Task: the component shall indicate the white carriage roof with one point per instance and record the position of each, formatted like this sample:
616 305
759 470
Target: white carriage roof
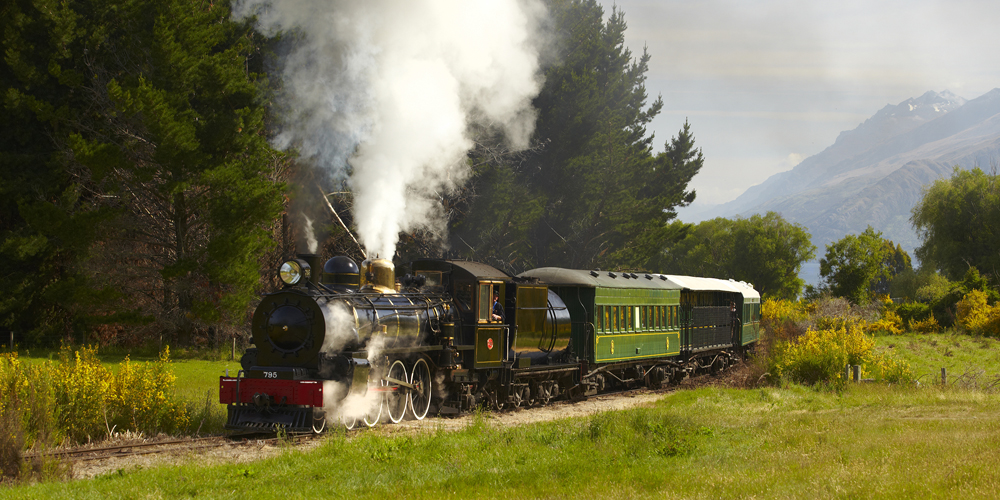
714 285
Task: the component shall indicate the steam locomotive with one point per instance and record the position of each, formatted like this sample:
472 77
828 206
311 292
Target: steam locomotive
350 345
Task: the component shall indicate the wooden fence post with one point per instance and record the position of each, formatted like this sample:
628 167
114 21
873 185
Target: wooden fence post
944 376
857 373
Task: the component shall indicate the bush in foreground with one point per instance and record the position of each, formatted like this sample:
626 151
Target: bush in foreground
829 343
77 400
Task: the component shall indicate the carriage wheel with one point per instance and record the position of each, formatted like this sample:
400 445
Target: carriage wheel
420 396
395 399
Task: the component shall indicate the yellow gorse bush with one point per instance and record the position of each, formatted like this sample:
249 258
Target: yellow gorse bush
975 315
139 396
823 353
78 398
81 397
927 325
890 323
780 317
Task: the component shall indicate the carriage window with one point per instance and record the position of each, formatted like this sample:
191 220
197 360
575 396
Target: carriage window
614 318
599 319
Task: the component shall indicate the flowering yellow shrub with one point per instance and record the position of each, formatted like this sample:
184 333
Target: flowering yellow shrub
81 394
890 323
139 397
821 355
80 399
13 381
975 315
927 325
780 317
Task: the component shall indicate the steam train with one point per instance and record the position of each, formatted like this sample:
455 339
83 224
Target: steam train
353 345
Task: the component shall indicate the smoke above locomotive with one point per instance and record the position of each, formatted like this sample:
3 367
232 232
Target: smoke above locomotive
384 94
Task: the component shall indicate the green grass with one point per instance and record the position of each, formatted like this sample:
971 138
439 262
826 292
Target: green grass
966 358
866 441
869 441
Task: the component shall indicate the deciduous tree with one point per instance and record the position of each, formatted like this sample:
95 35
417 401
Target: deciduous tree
958 221
765 250
854 264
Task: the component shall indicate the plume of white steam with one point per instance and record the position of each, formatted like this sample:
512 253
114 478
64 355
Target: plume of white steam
341 405
341 327
391 88
341 330
310 236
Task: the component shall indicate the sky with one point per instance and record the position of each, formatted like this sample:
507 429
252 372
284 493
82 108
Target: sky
768 83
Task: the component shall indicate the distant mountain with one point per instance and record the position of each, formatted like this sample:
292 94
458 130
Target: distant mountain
874 174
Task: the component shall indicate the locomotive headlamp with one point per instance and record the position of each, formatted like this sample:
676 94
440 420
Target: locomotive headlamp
292 271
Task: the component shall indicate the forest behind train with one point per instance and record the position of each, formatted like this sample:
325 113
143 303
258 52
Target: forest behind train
143 202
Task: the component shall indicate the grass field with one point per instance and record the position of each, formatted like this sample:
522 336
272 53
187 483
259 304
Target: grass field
866 441
869 441
966 358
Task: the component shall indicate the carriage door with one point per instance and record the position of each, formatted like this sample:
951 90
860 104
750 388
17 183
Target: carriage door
491 340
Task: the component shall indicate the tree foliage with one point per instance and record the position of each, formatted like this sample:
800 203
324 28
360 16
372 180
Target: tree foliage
146 124
897 261
858 266
958 220
765 250
593 194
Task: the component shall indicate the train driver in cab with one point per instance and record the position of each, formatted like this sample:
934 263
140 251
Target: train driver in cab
497 307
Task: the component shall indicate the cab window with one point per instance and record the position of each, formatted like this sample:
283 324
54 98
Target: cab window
485 301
